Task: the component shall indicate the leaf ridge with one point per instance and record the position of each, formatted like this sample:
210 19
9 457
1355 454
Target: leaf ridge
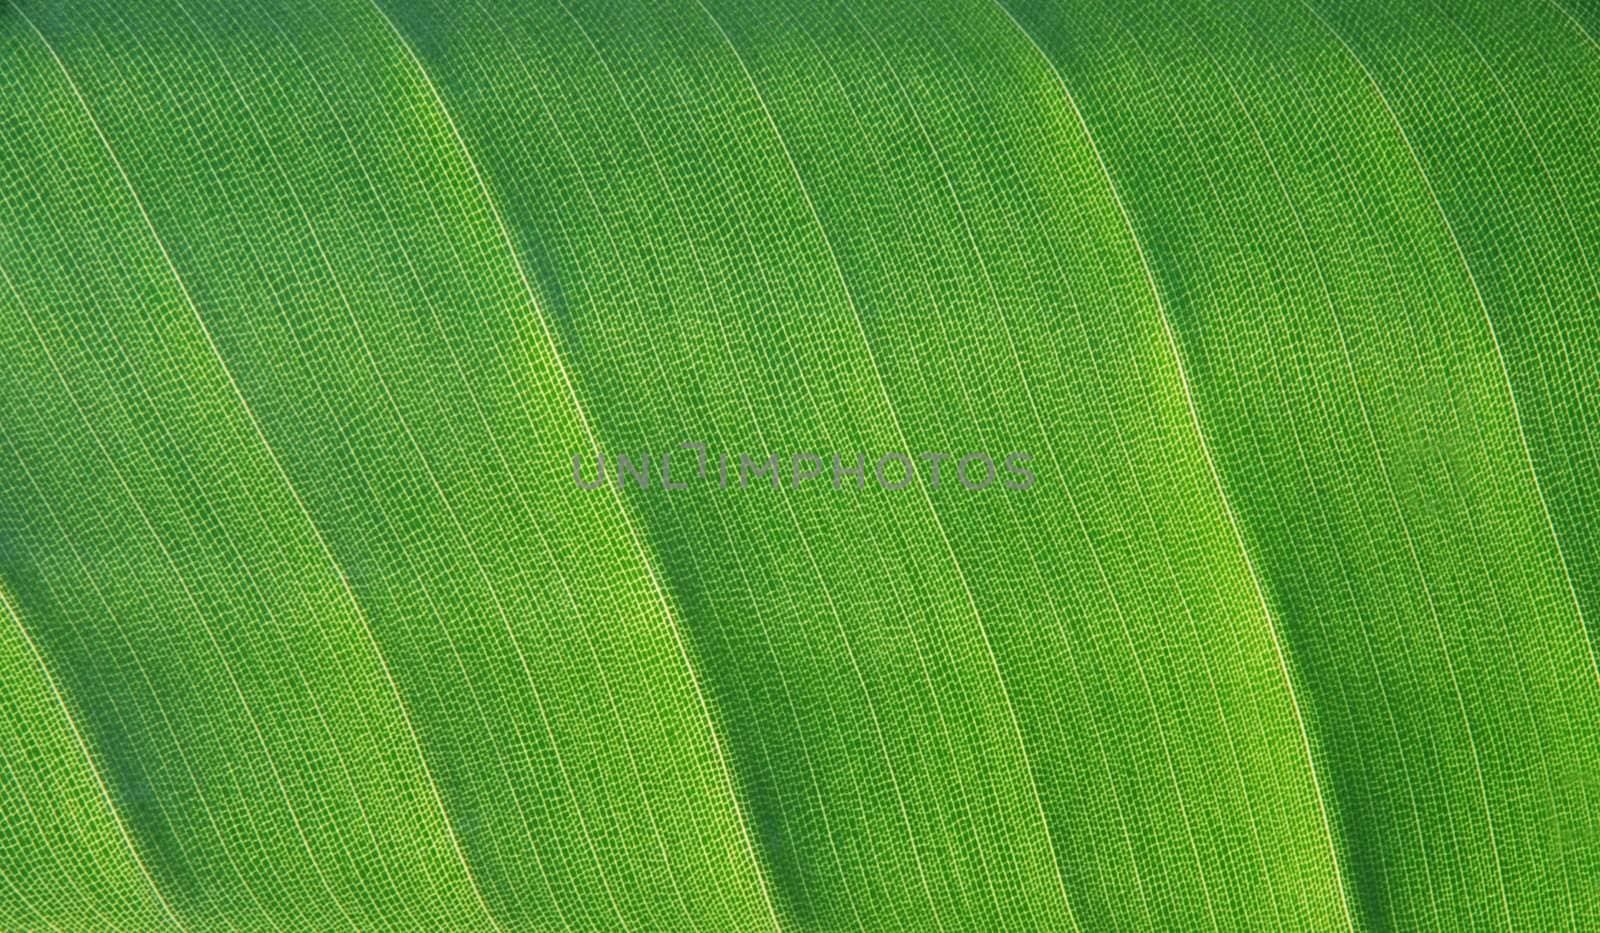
944 536
316 531
588 430
11 610
216 646
1205 447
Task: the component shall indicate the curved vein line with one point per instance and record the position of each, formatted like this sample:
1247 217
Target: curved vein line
150 527
166 720
1411 549
1077 672
1505 371
1245 112
88 757
889 405
856 117
583 420
505 463
1105 581
855 667
1205 449
700 267
1576 24
483 573
200 617
339 571
288 484
433 607
1211 187
1550 300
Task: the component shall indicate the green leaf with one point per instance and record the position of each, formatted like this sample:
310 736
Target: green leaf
306 310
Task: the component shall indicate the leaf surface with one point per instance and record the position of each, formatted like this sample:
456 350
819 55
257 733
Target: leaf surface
306 310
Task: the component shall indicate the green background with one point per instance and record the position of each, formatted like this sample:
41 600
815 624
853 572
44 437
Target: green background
305 308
